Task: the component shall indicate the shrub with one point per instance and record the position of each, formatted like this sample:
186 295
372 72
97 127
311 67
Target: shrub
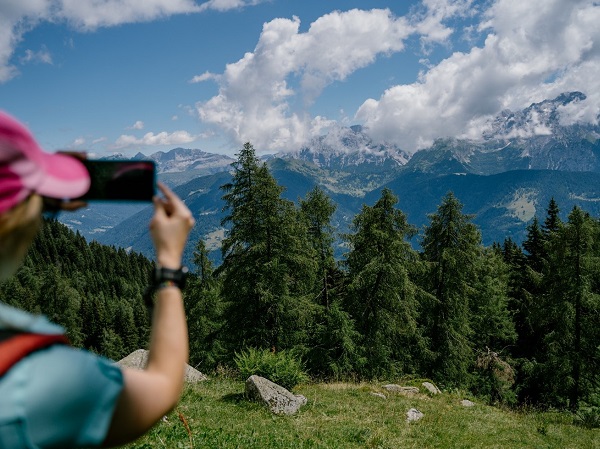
495 379
281 367
588 417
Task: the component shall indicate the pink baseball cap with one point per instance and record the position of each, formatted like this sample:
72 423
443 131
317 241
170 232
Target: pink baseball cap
25 168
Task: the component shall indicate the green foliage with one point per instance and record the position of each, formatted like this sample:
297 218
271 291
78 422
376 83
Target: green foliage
281 367
588 417
512 323
205 313
316 211
268 266
94 291
381 298
349 416
495 379
571 309
334 352
451 247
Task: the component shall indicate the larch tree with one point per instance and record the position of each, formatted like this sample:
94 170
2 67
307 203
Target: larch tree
333 350
572 308
451 246
204 310
381 298
268 266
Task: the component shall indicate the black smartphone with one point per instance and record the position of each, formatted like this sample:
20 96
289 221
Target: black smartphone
120 180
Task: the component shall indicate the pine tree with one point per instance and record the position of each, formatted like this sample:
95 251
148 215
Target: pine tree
452 246
552 222
316 210
268 266
382 299
204 310
492 322
534 246
527 294
572 309
332 338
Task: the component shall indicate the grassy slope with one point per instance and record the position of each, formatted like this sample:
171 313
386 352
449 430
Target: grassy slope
349 416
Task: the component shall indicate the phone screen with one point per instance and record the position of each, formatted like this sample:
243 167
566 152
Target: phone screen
121 180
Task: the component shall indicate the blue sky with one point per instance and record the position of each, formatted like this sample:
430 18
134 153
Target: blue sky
127 75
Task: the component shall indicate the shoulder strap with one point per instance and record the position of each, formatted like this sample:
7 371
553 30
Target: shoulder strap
15 347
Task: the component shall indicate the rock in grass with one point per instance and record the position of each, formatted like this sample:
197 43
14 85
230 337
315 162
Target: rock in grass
379 395
467 403
431 388
279 400
414 415
406 391
139 359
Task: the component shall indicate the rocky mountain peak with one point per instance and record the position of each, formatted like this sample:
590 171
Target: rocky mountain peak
537 119
183 159
344 148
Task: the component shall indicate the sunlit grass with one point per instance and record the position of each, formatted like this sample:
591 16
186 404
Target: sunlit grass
350 416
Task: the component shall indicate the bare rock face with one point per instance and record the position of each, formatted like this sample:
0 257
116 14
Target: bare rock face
279 400
139 359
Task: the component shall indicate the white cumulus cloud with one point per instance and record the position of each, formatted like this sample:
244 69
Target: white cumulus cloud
225 5
151 139
254 94
532 51
19 16
137 125
204 77
512 53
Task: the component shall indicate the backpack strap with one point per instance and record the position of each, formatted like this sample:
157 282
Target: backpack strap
17 346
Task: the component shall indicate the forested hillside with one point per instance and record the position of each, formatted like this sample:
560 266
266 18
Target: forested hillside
94 291
514 324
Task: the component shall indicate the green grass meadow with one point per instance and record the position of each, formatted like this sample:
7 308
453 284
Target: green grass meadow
215 414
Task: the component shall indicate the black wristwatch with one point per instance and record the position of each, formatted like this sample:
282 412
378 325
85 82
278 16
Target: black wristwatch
167 276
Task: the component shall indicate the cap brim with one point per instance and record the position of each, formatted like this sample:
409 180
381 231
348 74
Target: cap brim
66 177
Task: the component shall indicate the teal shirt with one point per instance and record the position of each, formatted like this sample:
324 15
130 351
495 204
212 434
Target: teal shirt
58 397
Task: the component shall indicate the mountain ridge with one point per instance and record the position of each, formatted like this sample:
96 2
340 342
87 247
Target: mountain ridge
503 181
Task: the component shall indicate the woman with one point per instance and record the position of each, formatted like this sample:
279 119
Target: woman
56 395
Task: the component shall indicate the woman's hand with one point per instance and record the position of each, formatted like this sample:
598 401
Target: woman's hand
170 227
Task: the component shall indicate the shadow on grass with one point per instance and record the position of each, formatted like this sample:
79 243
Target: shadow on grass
235 398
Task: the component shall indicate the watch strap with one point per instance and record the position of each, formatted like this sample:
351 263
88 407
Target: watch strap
162 275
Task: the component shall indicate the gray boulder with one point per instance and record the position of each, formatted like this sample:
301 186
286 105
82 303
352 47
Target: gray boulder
139 359
279 400
414 415
405 391
467 403
431 388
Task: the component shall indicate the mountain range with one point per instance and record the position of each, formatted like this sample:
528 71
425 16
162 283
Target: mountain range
504 179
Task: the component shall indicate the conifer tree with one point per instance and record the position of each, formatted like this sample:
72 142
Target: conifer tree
552 222
527 304
382 299
534 246
572 308
333 350
316 210
491 321
268 266
452 246
204 310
